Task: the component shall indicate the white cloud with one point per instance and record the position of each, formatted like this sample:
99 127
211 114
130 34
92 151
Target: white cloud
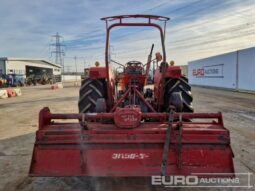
26 28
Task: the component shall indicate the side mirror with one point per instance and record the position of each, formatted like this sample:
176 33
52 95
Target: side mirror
158 56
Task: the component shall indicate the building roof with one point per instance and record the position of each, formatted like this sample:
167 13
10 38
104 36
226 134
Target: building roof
30 60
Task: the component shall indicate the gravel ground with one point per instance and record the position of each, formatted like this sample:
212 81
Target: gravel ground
18 123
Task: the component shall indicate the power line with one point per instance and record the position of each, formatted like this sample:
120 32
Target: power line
80 47
213 6
184 7
231 29
224 16
76 64
243 34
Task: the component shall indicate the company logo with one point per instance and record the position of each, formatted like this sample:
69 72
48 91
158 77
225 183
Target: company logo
199 72
168 181
129 118
240 180
214 71
131 156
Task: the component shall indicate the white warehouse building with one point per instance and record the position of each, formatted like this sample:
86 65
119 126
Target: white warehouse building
234 70
26 67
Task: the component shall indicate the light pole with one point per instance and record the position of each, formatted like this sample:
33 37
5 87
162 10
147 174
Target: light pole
75 58
84 65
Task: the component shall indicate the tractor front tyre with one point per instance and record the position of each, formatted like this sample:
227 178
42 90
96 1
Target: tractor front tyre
180 85
90 91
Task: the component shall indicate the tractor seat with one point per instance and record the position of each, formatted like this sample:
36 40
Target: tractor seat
134 67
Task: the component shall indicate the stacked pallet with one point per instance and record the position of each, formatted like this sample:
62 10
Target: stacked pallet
10 92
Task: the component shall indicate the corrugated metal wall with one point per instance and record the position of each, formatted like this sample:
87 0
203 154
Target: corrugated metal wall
235 70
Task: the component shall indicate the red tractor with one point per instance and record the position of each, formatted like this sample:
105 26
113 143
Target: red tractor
125 129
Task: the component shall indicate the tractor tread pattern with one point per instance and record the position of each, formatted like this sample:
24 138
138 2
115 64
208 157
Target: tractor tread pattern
90 91
180 85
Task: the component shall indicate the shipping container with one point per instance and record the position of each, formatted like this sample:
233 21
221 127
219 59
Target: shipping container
217 71
246 69
234 70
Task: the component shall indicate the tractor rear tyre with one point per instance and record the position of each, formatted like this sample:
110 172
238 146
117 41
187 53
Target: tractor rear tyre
90 91
180 85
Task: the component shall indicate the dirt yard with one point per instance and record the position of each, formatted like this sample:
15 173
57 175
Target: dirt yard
18 123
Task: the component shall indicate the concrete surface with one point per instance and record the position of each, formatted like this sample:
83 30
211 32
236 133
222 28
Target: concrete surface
18 123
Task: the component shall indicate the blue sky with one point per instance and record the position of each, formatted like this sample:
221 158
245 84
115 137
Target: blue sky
197 29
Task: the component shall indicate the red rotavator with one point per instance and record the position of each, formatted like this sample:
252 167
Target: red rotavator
126 129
